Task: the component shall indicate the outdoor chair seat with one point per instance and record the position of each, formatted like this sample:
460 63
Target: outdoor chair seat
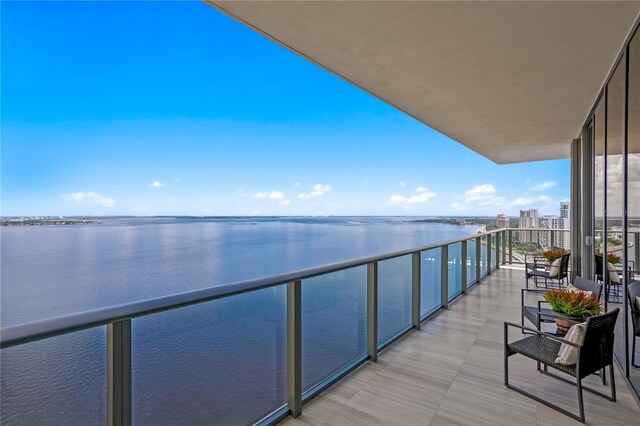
535 313
534 270
540 349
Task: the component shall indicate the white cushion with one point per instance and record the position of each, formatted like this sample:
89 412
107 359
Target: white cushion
573 288
613 274
638 303
555 268
568 355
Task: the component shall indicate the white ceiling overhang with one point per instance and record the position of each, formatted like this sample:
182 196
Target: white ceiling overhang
513 81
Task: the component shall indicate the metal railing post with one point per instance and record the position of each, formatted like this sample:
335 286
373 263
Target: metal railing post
119 373
372 310
498 241
415 290
294 347
444 276
464 258
504 247
510 247
636 250
489 254
478 259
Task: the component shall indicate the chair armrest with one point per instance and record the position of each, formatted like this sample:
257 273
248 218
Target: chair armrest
523 291
544 334
540 302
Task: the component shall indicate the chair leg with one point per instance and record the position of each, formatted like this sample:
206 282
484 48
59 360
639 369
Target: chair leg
579 418
580 400
633 352
613 383
603 376
506 355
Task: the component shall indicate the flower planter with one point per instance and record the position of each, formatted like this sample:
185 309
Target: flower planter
565 322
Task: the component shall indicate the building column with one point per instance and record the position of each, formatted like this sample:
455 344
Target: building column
575 209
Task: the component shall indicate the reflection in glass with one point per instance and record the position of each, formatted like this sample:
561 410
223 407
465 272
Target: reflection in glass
334 323
614 180
430 289
633 185
394 297
483 255
454 270
599 174
38 389
225 357
471 261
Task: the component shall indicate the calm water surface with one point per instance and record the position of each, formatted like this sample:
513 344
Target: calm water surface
221 360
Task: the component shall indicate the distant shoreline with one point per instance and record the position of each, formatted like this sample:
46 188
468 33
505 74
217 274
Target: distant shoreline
97 220
46 221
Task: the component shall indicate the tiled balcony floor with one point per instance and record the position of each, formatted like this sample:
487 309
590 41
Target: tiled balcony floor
450 373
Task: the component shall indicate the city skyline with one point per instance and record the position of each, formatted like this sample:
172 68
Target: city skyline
210 118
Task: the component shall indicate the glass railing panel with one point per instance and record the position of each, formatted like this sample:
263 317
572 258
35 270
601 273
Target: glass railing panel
471 261
334 323
56 381
633 253
483 255
454 270
494 252
394 297
430 288
225 358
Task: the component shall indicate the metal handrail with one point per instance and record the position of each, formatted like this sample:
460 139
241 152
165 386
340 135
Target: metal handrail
43 329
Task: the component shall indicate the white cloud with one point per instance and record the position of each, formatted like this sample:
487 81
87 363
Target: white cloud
527 201
422 196
285 202
480 198
543 186
272 195
156 184
402 184
89 198
397 199
318 190
481 189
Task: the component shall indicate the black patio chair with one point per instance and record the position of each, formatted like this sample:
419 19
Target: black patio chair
633 291
594 354
532 270
538 314
610 285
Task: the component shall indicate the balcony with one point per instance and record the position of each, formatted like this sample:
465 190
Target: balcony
450 372
420 341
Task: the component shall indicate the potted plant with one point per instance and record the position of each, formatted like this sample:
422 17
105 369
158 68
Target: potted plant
571 307
613 258
552 255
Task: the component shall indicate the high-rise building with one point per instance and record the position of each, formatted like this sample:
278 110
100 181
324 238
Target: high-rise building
502 221
549 222
564 238
529 219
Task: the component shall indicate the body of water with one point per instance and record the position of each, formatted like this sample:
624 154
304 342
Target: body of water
222 360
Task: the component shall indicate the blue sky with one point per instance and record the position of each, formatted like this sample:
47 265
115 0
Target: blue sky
172 108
